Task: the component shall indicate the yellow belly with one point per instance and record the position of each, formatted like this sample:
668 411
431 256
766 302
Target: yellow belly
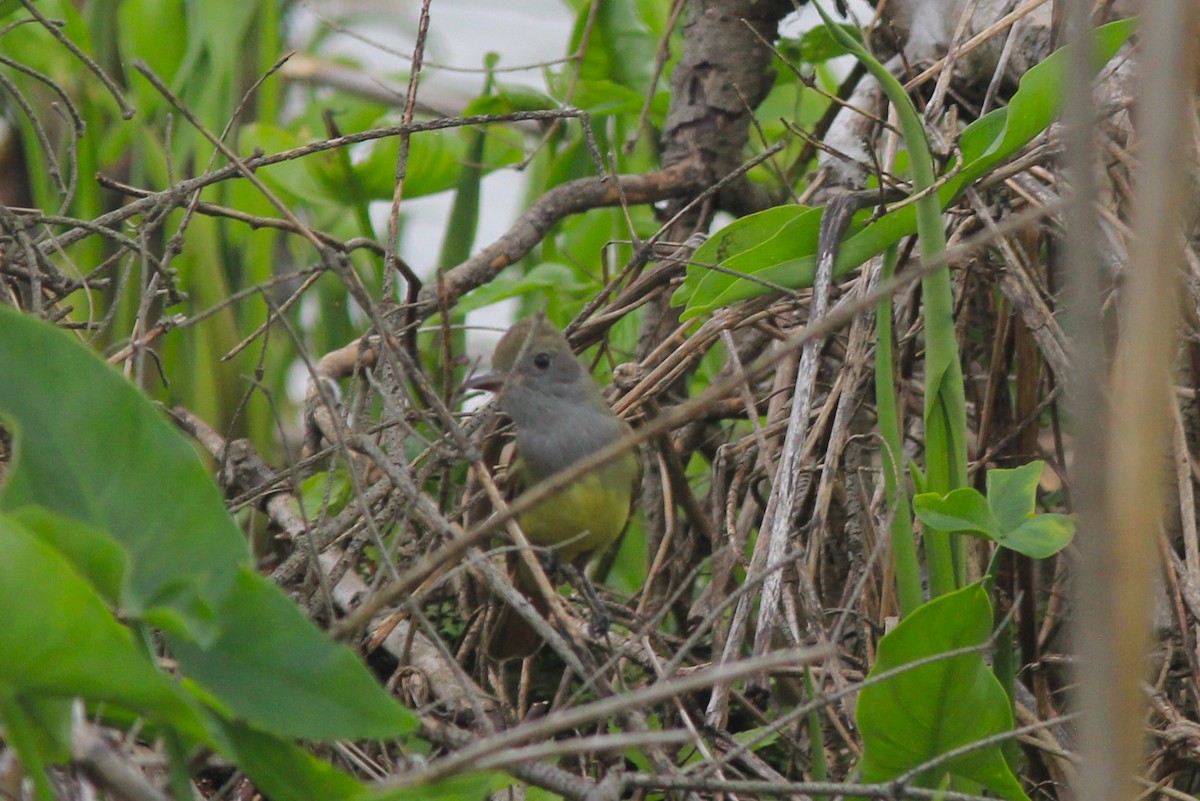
585 517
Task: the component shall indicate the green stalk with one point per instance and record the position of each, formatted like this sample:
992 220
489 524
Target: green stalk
904 548
19 732
1004 657
464 213
816 736
945 404
456 244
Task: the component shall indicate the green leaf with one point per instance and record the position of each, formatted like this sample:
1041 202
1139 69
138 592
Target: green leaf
298 179
325 493
93 554
33 744
271 667
155 32
963 509
548 276
60 641
282 770
817 45
619 47
457 788
1041 536
1012 494
88 446
771 236
47 722
91 448
989 141
945 406
920 483
922 713
599 96
435 161
1005 516
509 98
222 26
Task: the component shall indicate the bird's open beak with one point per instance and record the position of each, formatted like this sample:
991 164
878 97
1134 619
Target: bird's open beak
490 381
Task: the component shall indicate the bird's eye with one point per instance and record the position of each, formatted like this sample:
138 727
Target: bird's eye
541 361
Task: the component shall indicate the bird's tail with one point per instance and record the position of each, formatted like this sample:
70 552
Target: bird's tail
512 637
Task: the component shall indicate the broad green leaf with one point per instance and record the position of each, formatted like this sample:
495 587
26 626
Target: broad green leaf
458 788
91 448
598 96
272 668
919 714
59 640
817 45
619 47
627 42
94 555
349 113
282 770
435 161
741 239
222 27
1012 494
155 32
509 98
1006 516
325 493
985 143
548 276
290 180
963 509
1041 536
88 446
51 724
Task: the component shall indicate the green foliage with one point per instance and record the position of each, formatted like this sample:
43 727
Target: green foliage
112 509
559 284
60 640
456 788
225 41
282 769
1006 516
945 405
905 561
89 527
109 473
987 142
326 493
921 713
818 45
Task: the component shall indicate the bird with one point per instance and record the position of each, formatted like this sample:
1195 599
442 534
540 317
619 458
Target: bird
560 417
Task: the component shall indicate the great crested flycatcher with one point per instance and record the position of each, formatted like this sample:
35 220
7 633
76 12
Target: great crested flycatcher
560 418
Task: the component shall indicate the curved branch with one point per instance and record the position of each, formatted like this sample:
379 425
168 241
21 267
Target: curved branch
562 201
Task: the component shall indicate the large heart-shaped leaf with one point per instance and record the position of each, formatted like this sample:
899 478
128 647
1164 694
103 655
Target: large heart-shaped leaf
922 713
90 450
